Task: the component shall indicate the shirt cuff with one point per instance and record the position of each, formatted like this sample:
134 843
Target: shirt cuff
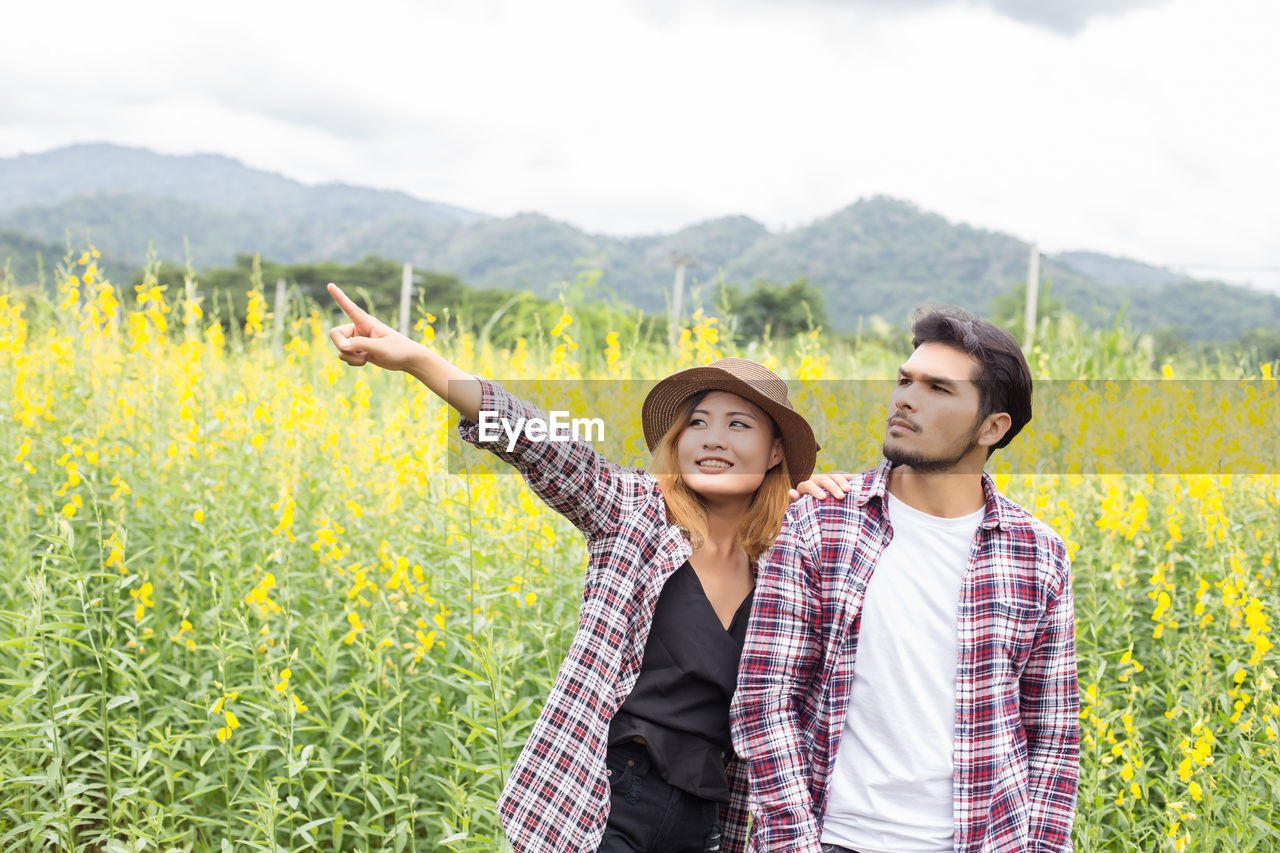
493 397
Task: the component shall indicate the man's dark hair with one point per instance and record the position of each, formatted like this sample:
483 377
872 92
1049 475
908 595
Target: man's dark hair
1003 380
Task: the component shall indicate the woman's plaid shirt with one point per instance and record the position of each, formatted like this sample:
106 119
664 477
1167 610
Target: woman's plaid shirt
1016 750
557 799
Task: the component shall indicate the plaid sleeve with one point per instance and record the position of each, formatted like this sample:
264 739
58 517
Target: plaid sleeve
779 662
571 477
734 815
1050 706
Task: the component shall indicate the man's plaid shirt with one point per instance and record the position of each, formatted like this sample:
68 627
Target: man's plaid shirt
557 798
1017 728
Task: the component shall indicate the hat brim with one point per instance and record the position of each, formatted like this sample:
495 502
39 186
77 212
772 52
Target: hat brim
666 400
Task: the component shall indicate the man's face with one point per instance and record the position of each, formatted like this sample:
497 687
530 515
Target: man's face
933 422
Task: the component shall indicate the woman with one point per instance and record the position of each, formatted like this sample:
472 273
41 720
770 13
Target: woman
632 750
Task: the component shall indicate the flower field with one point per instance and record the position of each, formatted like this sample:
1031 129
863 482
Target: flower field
244 604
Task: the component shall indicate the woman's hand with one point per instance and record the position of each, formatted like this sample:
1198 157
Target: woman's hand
837 483
367 340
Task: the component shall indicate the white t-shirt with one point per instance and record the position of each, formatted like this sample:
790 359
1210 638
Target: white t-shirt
891 786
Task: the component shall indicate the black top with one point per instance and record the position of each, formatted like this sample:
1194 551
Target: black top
680 703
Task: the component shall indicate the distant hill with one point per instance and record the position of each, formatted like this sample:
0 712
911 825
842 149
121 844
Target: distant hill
882 256
876 257
530 251
1120 272
28 257
130 197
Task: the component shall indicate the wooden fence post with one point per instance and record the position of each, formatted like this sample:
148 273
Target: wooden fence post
677 298
282 303
406 294
1033 294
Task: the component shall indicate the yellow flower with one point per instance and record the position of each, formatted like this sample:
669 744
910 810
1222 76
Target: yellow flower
260 596
428 333
122 488
255 314
224 698
184 629
225 731
70 507
354 619
143 595
285 507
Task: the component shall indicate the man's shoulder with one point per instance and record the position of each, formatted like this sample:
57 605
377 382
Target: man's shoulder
868 478
862 486
1026 527
810 520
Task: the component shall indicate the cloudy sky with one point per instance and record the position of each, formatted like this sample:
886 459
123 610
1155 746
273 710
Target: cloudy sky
1146 128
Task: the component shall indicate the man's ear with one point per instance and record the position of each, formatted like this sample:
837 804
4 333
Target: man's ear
994 427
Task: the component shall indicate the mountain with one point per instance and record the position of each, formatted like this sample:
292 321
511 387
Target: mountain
209 179
882 256
877 257
128 198
530 251
1120 272
28 260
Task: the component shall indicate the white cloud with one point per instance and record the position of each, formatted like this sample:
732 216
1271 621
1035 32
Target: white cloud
1149 134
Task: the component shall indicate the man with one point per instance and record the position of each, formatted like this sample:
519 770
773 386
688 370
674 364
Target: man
908 683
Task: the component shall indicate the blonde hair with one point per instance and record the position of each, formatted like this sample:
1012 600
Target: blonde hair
687 509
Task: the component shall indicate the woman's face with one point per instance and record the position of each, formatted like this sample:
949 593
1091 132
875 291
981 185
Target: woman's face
727 447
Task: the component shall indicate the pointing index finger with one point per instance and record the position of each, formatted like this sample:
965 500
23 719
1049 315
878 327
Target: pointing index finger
353 310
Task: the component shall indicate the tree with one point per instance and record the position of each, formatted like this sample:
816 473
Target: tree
773 309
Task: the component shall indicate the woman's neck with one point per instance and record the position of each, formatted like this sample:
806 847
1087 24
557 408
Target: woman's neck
722 530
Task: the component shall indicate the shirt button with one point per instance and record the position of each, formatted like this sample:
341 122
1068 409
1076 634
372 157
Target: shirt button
631 762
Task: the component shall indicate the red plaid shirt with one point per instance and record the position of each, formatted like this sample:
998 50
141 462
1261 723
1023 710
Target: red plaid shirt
557 799
1017 728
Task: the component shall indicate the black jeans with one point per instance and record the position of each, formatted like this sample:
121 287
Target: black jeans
646 815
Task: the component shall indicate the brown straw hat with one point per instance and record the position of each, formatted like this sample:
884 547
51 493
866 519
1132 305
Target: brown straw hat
748 380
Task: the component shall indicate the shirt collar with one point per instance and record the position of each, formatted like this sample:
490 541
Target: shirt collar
876 484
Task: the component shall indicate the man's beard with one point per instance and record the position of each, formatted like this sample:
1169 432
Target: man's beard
931 465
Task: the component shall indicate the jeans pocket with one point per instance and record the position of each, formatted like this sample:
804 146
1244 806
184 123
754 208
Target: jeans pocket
627 766
622 764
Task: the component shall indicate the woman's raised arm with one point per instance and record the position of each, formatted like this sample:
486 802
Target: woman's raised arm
571 477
